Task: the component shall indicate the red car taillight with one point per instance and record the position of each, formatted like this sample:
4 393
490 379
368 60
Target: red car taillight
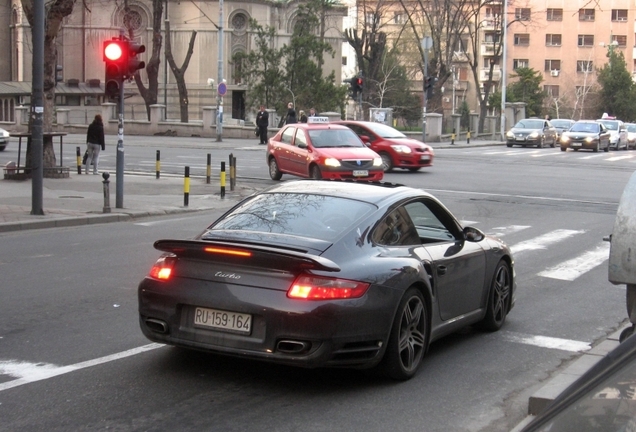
323 288
162 269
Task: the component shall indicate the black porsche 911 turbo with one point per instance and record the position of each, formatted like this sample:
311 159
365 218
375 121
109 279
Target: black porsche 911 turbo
320 273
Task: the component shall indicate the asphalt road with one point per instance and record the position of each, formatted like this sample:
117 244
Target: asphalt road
72 356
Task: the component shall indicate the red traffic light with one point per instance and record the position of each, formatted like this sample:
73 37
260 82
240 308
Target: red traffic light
114 50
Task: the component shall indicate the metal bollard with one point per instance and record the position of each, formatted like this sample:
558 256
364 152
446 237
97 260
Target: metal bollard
208 169
233 173
106 183
468 137
158 164
186 187
453 137
222 179
79 160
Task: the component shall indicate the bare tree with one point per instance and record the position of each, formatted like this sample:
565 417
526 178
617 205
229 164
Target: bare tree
55 13
179 72
150 93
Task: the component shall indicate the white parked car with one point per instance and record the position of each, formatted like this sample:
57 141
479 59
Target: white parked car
618 133
4 139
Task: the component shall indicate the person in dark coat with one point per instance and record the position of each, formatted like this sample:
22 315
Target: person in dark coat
291 114
94 143
262 121
303 117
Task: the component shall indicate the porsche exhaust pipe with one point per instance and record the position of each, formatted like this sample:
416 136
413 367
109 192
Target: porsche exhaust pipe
292 346
157 326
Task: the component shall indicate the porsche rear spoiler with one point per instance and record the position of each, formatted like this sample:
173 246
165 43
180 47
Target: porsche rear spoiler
201 249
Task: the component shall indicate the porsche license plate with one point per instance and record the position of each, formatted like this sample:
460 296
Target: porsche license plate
223 320
360 173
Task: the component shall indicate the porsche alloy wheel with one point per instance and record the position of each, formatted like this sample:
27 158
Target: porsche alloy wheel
498 298
409 337
274 172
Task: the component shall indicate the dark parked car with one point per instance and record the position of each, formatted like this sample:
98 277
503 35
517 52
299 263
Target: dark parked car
586 134
532 132
320 149
327 273
603 399
562 125
396 149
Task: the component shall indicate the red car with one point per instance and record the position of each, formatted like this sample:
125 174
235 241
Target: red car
395 148
320 149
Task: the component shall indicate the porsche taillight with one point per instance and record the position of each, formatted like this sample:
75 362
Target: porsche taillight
162 269
309 287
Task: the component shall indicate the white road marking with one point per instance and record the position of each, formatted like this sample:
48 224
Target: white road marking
30 372
542 242
547 342
547 154
593 156
502 231
159 222
572 269
468 223
615 158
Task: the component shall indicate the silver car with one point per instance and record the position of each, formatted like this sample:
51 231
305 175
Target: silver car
618 133
532 132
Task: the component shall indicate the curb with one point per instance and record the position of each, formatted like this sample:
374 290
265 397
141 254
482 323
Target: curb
540 400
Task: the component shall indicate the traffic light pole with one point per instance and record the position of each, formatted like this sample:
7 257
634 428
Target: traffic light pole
119 169
424 99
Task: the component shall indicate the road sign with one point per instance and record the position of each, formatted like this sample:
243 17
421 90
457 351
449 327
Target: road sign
222 89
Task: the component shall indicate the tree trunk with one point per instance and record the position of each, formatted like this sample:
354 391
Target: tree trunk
150 94
179 72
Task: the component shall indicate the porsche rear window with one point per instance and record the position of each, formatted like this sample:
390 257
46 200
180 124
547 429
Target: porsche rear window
305 215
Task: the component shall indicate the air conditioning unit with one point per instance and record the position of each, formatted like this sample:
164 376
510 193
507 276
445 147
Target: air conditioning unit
554 73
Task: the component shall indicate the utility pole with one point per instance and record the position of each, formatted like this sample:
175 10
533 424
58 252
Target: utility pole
427 43
37 109
504 41
220 85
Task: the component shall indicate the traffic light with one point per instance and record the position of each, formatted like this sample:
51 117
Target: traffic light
116 59
134 64
359 83
429 86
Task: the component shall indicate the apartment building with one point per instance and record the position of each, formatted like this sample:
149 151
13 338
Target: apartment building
567 40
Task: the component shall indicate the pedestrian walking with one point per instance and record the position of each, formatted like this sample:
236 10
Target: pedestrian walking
312 112
291 114
302 116
262 121
94 143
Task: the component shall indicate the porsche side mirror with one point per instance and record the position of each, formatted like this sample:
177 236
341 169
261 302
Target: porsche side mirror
473 234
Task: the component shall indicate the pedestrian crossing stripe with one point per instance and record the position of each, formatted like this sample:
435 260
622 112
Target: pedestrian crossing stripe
572 269
545 240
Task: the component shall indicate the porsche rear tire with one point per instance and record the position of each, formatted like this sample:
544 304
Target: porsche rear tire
408 340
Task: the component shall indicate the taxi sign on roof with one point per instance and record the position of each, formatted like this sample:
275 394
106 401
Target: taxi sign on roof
318 120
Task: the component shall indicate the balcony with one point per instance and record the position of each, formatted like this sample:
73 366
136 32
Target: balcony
487 49
496 74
